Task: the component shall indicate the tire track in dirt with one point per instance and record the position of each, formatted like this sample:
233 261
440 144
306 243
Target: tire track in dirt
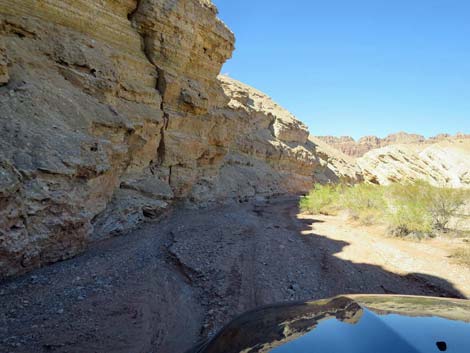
191 273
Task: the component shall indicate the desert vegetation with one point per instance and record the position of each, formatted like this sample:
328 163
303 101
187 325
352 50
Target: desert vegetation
408 210
462 255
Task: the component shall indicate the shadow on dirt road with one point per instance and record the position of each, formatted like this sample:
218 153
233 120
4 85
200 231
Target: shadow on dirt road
167 285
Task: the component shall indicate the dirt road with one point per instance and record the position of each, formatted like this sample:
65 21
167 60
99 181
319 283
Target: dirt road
169 284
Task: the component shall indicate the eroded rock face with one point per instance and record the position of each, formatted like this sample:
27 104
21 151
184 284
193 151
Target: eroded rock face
111 110
267 151
270 151
4 77
80 115
188 44
359 148
335 167
445 163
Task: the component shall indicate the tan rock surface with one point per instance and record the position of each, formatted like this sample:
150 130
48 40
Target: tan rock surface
268 151
271 151
111 110
335 166
446 163
80 111
358 148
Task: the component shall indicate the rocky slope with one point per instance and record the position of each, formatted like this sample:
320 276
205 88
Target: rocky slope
443 160
113 110
272 152
350 147
445 163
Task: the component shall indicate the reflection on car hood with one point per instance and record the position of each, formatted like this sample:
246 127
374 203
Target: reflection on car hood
357 323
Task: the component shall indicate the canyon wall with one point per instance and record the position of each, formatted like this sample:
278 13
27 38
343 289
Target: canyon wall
111 111
80 117
443 164
442 160
359 148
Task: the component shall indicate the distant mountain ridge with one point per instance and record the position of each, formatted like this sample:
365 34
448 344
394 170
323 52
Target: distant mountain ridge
445 163
359 148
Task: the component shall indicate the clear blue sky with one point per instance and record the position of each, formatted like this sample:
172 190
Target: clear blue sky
362 67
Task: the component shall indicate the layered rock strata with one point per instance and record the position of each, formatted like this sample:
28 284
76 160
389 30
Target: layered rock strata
353 148
112 110
442 164
80 116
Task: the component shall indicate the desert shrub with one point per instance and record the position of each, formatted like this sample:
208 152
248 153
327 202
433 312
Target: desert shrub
409 219
365 202
462 256
322 199
421 209
445 204
409 210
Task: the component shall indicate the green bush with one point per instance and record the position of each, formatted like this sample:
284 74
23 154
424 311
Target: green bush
408 209
322 199
422 209
365 202
413 209
445 203
409 219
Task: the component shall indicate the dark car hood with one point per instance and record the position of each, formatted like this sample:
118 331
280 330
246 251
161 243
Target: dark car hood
353 324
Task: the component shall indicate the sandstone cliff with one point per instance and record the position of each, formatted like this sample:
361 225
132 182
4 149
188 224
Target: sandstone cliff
271 151
112 110
444 163
350 147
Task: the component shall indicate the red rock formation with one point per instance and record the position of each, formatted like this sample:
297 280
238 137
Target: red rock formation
353 148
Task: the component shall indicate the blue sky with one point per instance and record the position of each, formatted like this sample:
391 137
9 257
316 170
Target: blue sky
362 67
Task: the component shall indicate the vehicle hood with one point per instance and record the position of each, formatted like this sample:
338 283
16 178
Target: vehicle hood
357 323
